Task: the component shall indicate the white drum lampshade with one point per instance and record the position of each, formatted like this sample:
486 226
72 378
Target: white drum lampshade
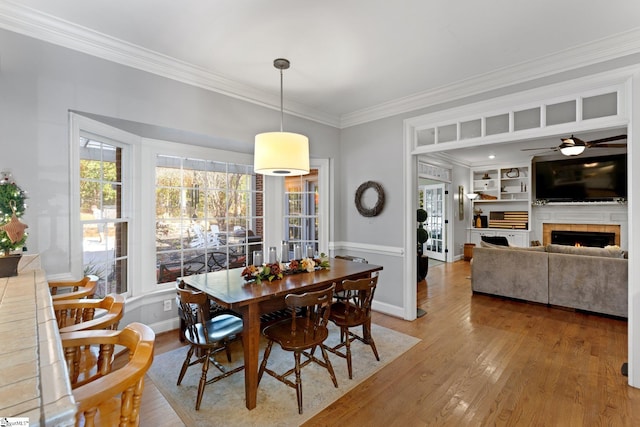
281 154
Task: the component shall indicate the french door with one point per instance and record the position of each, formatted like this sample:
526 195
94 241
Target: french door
432 198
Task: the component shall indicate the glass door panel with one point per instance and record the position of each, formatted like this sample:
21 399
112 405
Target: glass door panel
433 200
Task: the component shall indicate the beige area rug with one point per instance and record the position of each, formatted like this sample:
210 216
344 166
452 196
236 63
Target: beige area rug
223 403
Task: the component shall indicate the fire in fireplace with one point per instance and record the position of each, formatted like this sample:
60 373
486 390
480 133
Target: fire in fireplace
583 238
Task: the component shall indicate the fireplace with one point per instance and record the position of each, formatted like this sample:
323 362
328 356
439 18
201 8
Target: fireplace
578 230
583 238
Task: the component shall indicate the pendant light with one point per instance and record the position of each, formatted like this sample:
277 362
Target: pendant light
281 153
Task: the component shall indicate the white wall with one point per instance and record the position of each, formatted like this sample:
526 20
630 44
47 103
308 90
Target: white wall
40 83
373 152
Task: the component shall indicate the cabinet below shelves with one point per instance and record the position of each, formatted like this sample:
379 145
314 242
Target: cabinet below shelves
514 237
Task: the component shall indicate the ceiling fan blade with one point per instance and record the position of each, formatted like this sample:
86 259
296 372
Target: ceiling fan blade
609 146
609 139
540 148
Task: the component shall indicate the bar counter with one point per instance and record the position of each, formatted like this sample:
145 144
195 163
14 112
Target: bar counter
33 377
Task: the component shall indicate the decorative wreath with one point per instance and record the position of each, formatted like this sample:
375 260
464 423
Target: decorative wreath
513 173
375 210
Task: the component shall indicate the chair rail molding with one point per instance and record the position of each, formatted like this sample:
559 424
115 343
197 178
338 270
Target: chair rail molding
368 248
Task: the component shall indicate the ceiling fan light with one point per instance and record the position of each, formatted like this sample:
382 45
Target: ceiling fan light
572 146
572 150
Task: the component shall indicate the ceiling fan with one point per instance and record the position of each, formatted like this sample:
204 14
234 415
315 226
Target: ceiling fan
574 146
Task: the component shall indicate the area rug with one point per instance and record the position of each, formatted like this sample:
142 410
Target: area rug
223 403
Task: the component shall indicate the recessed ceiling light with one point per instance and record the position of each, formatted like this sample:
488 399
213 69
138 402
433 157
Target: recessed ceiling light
492 156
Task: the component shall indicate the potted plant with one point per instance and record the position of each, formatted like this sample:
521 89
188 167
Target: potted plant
422 237
12 234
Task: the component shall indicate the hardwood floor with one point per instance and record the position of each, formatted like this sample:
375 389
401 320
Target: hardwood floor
482 361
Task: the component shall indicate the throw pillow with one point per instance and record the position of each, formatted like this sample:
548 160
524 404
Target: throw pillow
585 250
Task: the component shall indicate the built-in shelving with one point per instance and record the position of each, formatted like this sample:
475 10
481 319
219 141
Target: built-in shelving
501 184
504 199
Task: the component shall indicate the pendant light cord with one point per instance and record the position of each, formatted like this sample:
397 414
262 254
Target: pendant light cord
281 102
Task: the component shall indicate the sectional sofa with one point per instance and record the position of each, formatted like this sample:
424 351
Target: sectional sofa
582 278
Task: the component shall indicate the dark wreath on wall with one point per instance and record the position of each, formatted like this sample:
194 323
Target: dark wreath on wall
377 208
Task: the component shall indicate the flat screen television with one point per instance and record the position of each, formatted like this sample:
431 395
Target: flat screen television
602 178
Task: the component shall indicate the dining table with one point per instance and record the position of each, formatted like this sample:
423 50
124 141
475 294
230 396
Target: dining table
251 300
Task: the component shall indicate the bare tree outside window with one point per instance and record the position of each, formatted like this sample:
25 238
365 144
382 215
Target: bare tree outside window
208 216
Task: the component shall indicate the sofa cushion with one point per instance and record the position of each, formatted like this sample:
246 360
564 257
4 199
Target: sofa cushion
597 284
511 273
585 251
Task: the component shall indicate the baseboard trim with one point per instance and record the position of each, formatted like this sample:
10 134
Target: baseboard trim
165 325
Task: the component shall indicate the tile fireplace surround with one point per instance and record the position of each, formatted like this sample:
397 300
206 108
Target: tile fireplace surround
547 228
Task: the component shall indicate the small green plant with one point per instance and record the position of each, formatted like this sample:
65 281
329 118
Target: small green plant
423 234
12 202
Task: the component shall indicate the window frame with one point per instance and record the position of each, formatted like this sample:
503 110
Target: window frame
138 169
83 126
182 255
150 149
306 214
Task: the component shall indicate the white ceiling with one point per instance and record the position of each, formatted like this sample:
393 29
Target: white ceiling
347 56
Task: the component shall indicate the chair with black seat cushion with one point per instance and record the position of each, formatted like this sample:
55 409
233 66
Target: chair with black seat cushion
214 310
353 309
208 336
305 330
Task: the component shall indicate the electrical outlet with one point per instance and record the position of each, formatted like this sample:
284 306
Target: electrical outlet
167 305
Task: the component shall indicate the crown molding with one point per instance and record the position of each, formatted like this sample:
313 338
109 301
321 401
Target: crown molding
30 22
605 49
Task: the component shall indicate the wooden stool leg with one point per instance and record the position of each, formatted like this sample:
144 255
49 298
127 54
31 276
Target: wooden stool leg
329 366
263 365
298 382
347 344
185 365
203 380
369 339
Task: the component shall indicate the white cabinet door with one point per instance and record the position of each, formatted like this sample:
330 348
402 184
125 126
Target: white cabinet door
515 238
475 236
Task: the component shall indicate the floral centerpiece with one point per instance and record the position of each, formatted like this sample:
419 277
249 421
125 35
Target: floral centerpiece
263 272
277 270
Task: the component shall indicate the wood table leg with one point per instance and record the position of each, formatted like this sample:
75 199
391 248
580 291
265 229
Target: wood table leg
251 344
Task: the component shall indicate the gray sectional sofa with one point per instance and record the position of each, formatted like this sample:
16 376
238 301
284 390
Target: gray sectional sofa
583 278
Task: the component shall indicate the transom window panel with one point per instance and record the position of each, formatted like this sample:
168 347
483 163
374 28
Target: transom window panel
301 212
602 104
104 225
209 216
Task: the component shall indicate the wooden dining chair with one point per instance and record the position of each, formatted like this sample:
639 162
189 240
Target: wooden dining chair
208 337
214 310
80 314
109 390
305 330
83 288
353 309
